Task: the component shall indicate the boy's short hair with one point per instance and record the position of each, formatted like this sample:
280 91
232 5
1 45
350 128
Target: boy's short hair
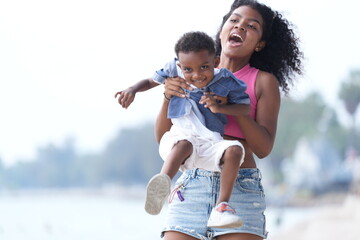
194 42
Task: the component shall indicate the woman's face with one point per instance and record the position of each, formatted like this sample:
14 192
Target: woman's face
241 34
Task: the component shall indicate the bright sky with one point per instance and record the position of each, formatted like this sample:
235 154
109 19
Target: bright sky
61 61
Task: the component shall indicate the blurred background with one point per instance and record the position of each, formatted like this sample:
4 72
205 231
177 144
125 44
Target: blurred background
74 164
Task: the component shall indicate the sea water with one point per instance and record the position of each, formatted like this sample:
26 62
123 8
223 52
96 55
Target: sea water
93 216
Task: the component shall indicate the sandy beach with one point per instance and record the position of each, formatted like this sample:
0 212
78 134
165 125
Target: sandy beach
330 222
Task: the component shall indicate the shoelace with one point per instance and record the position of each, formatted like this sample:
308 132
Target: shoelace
225 208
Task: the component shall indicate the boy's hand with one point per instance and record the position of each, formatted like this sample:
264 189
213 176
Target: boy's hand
126 97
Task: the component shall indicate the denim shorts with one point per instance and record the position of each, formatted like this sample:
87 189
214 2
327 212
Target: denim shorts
195 194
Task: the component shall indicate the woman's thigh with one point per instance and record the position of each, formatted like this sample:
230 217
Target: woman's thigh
172 235
239 236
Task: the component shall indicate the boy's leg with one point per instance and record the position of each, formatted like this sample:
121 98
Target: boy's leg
158 187
223 215
229 172
177 156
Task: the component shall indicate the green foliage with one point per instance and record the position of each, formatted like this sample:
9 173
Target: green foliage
297 119
350 92
131 157
337 134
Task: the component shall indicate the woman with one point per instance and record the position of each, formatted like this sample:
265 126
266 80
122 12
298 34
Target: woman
258 46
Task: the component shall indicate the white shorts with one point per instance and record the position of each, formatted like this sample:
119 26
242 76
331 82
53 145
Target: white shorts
208 146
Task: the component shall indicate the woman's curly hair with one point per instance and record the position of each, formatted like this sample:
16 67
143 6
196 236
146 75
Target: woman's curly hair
281 55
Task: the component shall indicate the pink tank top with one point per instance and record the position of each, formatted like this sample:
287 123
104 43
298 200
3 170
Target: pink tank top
248 75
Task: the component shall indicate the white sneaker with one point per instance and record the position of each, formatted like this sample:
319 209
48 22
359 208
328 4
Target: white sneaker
158 189
224 216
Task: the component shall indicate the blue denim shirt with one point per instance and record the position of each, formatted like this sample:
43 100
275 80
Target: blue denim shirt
224 84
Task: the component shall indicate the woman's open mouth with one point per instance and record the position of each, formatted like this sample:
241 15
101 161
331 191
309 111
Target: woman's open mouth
235 39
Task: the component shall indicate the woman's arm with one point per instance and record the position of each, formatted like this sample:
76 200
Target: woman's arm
173 87
162 124
260 134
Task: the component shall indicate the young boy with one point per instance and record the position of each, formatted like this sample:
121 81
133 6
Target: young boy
196 136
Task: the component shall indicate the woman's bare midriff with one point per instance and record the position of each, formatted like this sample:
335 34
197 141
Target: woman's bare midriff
249 161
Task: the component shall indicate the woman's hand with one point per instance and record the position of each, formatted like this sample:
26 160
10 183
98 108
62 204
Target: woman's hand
175 87
210 101
218 104
212 96
221 100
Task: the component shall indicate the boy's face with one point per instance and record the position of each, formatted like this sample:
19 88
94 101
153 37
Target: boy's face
198 67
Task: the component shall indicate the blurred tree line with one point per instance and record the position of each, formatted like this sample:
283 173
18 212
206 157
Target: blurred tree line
132 156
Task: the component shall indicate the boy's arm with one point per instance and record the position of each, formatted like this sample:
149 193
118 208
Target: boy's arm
127 96
143 85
